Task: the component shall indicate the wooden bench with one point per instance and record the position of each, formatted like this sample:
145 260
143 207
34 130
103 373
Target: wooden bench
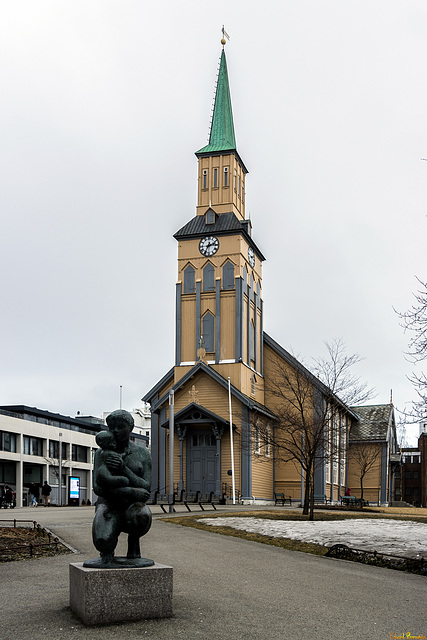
162 500
353 501
198 498
319 499
279 498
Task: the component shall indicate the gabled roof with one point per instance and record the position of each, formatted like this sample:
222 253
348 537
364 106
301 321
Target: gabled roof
202 367
225 224
296 364
180 416
168 377
373 423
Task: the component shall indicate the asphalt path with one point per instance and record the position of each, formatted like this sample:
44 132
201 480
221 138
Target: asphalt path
224 588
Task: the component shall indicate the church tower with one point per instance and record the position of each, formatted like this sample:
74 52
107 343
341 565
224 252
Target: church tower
219 314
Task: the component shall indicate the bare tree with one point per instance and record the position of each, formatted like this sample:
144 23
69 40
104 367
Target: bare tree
365 456
336 372
308 408
414 321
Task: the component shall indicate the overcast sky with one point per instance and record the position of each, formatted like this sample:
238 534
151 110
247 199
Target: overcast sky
103 106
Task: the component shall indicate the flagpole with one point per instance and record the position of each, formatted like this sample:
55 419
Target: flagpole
231 442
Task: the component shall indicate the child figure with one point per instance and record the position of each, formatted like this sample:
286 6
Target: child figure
106 478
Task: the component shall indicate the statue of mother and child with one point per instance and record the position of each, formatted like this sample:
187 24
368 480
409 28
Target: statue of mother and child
122 482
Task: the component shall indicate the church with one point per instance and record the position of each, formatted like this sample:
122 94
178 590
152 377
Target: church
224 411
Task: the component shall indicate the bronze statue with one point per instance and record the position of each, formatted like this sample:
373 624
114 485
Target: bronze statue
122 482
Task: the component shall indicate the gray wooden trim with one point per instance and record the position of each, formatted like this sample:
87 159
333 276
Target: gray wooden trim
178 323
163 454
248 323
239 320
384 474
217 320
155 429
246 453
261 332
198 318
256 331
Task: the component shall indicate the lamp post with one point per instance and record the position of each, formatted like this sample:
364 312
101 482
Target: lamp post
171 439
60 469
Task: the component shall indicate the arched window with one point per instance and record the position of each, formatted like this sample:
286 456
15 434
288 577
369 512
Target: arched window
228 275
208 328
189 279
208 277
251 341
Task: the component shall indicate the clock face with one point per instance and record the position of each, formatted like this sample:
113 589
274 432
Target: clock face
251 257
209 245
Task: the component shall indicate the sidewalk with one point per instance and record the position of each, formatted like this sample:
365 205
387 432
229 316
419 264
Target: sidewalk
224 588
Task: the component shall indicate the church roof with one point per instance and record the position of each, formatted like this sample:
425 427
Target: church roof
225 224
156 403
373 423
221 136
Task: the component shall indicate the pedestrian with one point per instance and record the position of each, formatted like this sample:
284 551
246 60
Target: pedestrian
46 491
8 497
348 491
34 494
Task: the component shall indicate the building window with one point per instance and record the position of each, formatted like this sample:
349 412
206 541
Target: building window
235 179
210 216
33 446
257 440
189 279
78 453
208 332
397 475
225 176
407 491
267 443
205 178
7 441
54 449
228 275
215 178
408 475
416 475
253 381
208 277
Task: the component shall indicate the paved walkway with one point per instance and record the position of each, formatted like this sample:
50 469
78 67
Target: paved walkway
224 588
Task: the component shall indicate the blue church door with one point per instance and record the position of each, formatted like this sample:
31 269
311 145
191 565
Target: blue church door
201 462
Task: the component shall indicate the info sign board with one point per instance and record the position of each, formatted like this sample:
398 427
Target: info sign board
74 491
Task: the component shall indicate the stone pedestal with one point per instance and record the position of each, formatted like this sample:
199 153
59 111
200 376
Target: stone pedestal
103 596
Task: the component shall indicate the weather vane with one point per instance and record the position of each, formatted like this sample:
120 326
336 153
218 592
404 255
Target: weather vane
224 36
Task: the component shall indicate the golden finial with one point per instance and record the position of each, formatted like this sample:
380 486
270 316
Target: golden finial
224 36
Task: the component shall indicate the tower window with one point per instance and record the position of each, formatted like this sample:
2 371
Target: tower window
205 178
235 179
208 332
253 381
210 216
215 178
228 275
208 277
189 279
225 176
240 182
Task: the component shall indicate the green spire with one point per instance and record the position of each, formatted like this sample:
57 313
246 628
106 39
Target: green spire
222 136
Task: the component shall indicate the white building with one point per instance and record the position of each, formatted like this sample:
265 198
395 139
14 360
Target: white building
30 442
